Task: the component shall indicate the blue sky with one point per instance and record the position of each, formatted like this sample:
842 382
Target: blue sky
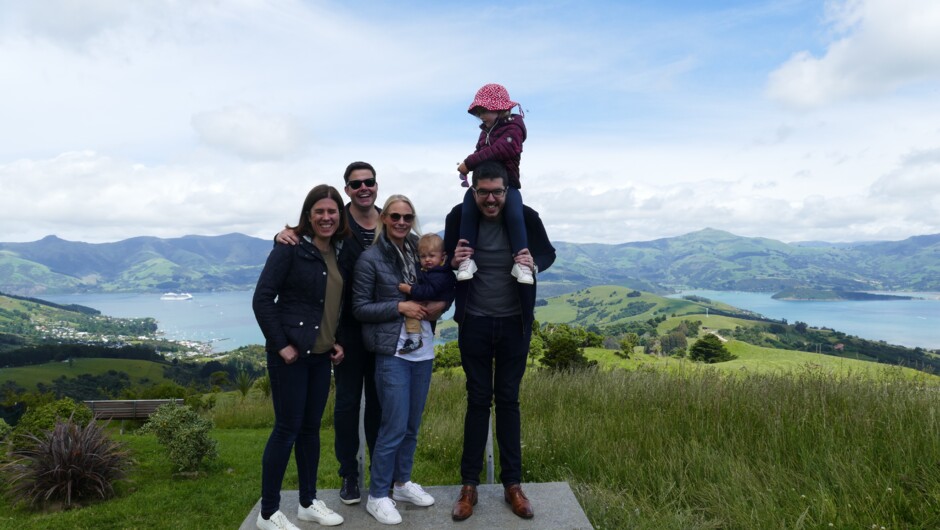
794 120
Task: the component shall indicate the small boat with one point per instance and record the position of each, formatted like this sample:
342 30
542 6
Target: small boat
176 296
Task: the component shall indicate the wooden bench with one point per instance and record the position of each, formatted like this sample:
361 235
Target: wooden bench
127 409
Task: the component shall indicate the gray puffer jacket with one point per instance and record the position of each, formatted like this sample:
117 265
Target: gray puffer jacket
375 295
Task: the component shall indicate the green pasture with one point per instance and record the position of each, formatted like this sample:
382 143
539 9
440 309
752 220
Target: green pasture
649 448
28 376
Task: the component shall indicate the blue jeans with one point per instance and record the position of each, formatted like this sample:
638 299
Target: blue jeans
483 340
299 391
512 217
355 373
402 387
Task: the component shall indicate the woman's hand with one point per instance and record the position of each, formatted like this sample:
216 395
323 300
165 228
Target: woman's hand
289 354
412 310
338 355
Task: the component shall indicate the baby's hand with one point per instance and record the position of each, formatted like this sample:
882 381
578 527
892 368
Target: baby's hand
405 288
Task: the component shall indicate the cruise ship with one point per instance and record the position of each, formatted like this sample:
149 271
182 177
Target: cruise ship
176 296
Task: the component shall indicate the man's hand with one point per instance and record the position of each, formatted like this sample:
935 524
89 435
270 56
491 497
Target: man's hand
463 252
287 237
413 310
289 354
524 258
435 309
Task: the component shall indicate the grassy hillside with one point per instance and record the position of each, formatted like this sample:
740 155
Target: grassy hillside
140 372
692 448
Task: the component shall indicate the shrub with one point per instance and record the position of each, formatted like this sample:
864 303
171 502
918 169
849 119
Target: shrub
446 356
263 384
67 464
184 435
42 418
5 429
710 350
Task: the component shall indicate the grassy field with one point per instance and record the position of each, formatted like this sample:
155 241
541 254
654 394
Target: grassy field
28 376
759 360
691 448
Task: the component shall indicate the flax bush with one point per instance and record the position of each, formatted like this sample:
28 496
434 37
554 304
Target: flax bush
68 464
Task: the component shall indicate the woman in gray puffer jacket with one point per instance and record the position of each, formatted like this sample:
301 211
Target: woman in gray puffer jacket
401 379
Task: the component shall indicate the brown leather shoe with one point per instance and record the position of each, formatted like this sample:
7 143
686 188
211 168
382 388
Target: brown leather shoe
519 502
463 508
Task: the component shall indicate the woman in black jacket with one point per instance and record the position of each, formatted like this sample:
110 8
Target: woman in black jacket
402 379
297 303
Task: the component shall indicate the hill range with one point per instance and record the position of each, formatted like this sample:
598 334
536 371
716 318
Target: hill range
706 259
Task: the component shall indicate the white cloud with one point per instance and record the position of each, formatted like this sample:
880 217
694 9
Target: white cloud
249 133
880 45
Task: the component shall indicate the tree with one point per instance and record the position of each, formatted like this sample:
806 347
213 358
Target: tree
673 342
244 381
536 348
563 352
446 355
709 349
628 342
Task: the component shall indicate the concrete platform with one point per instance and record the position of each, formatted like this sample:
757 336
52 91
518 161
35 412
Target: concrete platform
554 504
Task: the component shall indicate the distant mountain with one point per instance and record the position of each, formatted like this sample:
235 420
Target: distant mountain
140 264
706 259
714 259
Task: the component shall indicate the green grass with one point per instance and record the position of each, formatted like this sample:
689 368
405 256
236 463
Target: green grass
689 447
28 376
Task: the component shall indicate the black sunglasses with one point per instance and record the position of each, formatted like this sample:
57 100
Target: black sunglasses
408 217
356 184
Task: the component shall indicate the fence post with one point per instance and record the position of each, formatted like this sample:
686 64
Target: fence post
361 456
489 448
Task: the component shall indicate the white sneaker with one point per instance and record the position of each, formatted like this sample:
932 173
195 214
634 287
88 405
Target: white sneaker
466 269
278 521
413 493
319 513
522 274
383 510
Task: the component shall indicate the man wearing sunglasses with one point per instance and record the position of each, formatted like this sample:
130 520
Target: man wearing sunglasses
494 314
357 371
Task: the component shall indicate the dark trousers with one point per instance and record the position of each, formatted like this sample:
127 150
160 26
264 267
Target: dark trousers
355 373
299 391
482 341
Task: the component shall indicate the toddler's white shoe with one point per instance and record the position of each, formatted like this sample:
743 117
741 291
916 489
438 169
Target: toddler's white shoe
466 269
522 274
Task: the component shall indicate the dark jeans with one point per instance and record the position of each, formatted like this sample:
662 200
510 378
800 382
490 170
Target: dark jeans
355 373
483 340
299 391
512 216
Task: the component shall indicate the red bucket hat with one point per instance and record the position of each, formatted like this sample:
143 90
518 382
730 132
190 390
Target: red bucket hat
493 97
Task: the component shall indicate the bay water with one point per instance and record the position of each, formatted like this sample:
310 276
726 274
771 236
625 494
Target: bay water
909 323
225 319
